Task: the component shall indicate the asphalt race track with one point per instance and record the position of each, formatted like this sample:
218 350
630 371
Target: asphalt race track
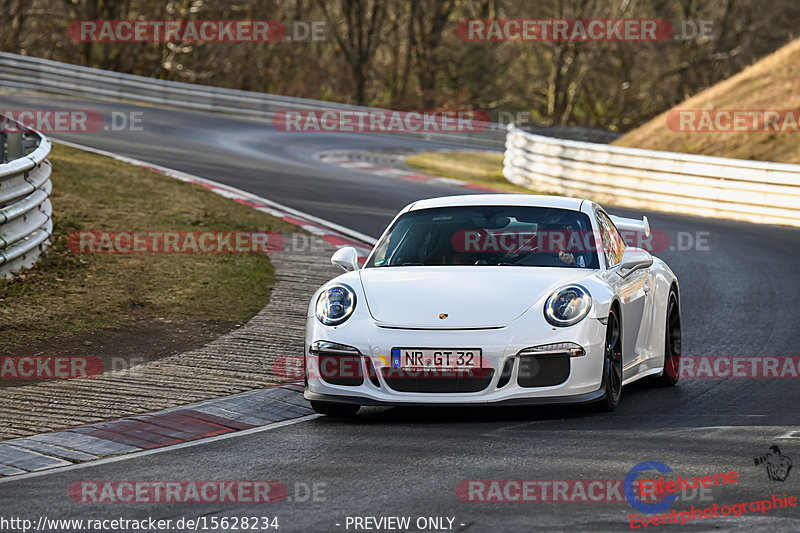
739 294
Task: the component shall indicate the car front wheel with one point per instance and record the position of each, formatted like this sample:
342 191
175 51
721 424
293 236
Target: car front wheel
672 345
612 364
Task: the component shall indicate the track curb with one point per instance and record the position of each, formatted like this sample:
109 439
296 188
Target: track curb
392 164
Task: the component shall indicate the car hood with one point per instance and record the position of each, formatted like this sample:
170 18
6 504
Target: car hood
470 296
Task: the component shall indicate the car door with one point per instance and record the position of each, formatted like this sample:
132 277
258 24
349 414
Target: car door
633 295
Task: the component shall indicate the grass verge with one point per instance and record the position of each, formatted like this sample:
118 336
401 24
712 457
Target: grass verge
771 84
68 293
481 168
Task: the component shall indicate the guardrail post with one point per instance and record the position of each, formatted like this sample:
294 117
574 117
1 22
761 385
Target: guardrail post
30 141
13 145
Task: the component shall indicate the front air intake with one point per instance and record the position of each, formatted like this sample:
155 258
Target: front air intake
438 381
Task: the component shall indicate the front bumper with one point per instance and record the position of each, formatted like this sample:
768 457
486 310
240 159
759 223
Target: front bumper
503 381
576 399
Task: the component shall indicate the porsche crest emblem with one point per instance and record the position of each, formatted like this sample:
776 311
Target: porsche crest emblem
442 316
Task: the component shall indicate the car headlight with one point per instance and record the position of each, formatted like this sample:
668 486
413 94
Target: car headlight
335 304
568 306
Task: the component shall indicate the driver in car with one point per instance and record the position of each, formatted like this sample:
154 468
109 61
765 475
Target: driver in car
569 259
558 235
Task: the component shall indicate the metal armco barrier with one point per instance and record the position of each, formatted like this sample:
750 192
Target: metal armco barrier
25 210
755 191
33 74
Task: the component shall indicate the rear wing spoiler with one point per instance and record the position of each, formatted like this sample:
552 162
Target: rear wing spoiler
632 224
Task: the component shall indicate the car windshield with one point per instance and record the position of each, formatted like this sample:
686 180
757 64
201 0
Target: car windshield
489 235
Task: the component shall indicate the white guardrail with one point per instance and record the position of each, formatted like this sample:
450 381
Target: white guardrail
25 211
767 193
34 74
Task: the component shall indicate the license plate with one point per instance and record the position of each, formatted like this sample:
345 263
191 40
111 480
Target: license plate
434 358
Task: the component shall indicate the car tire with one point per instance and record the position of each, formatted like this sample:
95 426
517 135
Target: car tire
335 410
612 365
670 373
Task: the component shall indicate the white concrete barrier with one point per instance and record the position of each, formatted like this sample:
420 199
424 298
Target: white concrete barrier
754 191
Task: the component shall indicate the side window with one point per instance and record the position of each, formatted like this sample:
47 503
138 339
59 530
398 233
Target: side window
613 244
619 242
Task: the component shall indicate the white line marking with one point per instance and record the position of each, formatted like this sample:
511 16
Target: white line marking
790 434
58 460
172 447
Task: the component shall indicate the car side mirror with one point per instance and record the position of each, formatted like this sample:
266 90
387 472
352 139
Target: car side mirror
634 259
346 257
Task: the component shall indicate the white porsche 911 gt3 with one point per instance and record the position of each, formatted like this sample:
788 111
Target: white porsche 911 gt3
494 299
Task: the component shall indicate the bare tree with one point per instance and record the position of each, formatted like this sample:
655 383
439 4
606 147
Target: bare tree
408 54
357 27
